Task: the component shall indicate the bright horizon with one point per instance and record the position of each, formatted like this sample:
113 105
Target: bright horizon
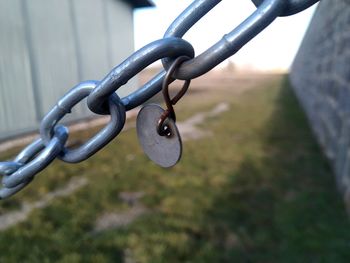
273 50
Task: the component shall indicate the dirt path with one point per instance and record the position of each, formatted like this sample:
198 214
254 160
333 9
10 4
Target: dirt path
190 129
13 218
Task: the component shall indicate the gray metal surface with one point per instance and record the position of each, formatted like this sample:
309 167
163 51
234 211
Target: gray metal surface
53 36
118 19
93 52
15 71
47 46
120 75
163 150
64 106
39 162
229 45
101 97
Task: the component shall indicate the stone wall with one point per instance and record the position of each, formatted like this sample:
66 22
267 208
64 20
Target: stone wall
320 76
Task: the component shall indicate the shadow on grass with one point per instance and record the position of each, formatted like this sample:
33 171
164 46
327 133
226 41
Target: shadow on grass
283 207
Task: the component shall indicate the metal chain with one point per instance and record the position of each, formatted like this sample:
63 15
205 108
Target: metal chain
102 99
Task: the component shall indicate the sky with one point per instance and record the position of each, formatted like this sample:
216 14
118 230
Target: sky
272 50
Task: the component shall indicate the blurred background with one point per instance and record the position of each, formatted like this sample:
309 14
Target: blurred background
265 171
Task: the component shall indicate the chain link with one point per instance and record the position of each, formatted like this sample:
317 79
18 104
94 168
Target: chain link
65 105
102 99
120 75
230 43
32 160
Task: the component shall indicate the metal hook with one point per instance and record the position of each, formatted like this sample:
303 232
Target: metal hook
162 128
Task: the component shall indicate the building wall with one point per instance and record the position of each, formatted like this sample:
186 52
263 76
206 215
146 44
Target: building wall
321 78
48 46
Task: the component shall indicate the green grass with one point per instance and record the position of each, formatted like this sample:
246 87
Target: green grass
258 191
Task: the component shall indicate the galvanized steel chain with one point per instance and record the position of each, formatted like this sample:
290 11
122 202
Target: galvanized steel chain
102 99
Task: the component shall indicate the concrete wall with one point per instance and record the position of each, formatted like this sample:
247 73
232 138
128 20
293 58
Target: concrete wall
48 46
321 78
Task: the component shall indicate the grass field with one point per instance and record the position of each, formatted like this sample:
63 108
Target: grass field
257 190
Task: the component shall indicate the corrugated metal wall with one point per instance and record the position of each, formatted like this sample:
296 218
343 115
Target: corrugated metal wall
48 46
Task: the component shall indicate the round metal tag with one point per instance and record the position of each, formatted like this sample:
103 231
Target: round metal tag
163 150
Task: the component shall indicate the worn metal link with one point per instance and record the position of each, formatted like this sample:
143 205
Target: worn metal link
8 168
230 43
120 75
31 161
102 99
65 105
